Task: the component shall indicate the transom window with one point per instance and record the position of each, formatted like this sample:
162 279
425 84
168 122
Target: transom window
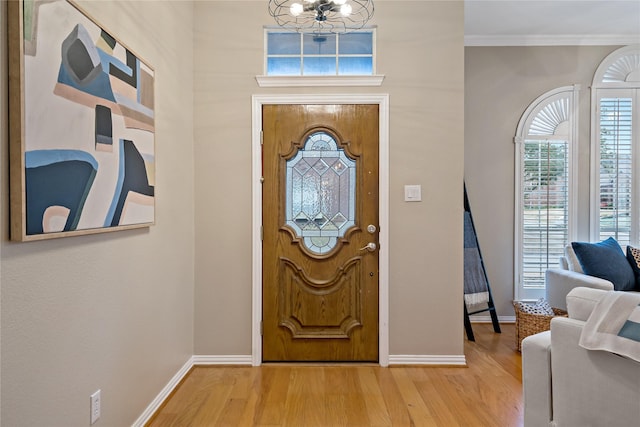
306 54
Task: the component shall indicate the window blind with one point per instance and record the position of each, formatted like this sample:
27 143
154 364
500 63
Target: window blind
616 169
545 208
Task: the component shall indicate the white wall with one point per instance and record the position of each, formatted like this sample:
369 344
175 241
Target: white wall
500 83
111 311
420 50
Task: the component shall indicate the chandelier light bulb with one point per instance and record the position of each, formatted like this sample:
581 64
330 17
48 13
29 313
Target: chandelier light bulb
339 2
345 9
296 9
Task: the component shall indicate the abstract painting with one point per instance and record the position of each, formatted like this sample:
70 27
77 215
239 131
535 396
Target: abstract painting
82 125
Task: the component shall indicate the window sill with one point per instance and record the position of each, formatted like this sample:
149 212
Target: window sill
308 81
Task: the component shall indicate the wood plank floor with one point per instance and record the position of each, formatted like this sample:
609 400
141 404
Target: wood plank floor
487 393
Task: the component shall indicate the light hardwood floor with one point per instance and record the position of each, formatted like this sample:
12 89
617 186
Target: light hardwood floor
487 393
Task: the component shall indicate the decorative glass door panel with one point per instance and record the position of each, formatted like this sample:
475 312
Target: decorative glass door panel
320 193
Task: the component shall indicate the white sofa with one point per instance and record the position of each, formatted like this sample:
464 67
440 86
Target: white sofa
560 281
567 386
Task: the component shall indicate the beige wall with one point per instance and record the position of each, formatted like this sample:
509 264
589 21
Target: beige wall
112 311
420 50
500 83
123 311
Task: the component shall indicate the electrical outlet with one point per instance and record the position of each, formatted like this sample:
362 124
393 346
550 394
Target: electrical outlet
95 406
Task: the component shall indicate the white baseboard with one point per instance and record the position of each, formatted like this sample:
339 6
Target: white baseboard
222 360
164 393
487 319
393 359
419 359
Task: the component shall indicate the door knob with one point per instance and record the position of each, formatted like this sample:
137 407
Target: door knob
370 247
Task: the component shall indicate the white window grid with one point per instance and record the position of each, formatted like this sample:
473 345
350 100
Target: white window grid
301 55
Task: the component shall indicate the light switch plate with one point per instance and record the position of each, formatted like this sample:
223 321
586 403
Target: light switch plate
412 193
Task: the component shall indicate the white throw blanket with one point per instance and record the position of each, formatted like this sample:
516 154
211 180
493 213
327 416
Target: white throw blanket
614 325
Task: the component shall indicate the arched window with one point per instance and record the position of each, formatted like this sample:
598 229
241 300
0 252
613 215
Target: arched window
615 148
545 187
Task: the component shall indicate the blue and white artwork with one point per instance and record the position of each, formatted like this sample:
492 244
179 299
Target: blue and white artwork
88 127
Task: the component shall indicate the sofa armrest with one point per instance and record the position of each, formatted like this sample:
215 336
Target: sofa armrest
558 283
536 379
581 302
591 388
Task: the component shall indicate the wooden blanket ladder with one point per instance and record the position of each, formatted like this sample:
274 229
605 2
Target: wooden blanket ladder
490 306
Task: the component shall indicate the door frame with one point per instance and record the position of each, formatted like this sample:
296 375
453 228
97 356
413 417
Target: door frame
382 100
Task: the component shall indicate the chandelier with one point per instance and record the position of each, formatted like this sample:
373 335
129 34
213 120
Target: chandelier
321 16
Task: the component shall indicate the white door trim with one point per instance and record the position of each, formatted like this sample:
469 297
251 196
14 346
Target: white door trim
256 174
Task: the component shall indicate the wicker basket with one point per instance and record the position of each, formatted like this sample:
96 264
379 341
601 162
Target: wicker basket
530 324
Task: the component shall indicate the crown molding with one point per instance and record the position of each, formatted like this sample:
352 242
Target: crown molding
551 40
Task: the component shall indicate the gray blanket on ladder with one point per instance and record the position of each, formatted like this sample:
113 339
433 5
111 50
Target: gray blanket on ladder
476 289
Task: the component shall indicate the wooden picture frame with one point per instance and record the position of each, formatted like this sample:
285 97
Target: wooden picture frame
81 125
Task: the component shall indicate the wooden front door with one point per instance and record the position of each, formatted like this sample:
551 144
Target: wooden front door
320 233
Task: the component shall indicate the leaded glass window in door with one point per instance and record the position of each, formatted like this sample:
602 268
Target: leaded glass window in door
320 193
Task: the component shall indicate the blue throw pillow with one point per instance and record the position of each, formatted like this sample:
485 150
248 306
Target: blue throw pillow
606 261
